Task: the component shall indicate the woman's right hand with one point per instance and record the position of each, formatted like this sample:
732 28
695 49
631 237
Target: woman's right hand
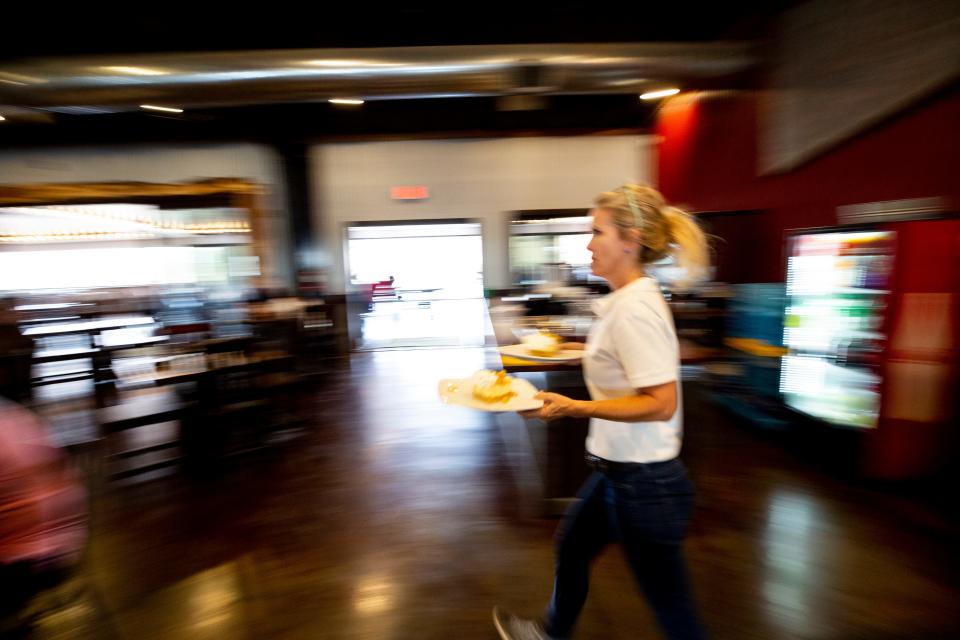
556 406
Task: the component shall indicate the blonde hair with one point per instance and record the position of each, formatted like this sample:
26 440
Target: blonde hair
664 230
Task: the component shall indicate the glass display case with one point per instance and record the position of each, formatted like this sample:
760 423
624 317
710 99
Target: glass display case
838 290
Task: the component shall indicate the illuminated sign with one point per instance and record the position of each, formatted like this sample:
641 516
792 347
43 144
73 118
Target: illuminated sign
416 192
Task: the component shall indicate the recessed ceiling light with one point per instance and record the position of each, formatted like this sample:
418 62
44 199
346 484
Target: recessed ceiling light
135 71
345 101
2 118
153 107
335 63
662 93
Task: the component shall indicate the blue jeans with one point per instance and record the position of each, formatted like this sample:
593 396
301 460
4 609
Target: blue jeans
646 508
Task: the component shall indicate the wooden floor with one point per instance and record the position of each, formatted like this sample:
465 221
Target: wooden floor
394 517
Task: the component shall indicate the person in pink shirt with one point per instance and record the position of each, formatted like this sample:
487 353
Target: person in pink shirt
43 509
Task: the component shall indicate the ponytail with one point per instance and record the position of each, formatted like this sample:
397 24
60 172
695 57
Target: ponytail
688 243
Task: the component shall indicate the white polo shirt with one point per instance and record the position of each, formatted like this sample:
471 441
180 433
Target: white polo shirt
632 344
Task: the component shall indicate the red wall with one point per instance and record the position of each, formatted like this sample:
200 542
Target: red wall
708 160
923 350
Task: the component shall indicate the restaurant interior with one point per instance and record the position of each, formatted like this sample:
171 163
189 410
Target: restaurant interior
245 259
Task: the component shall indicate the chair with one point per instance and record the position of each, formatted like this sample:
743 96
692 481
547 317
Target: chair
142 411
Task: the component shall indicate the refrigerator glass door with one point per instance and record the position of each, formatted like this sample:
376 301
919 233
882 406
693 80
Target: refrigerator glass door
837 293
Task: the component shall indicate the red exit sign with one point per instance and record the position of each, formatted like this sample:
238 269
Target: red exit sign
416 192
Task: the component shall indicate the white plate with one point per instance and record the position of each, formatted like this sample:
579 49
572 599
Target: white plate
460 393
523 351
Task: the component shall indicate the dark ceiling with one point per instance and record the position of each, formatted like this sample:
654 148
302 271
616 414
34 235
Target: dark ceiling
380 119
45 30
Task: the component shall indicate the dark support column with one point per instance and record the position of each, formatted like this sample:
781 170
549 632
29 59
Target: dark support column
296 172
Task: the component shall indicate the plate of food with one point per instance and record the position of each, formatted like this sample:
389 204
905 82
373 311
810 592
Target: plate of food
541 347
490 391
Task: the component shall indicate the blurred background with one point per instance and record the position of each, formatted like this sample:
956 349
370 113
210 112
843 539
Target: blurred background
238 251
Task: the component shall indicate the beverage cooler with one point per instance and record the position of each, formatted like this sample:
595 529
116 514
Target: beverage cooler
871 329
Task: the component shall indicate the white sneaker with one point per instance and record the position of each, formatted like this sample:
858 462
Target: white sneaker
511 627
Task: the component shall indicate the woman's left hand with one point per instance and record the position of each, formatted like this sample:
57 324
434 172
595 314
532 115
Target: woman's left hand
554 406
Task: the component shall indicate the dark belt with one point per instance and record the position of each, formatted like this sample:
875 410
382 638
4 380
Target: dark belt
609 466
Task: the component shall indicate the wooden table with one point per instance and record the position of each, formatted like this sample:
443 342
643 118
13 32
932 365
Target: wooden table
191 374
91 327
207 415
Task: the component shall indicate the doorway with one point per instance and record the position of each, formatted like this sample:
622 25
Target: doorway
422 283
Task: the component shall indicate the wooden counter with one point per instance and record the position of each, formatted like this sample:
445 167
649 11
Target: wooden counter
548 457
690 353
